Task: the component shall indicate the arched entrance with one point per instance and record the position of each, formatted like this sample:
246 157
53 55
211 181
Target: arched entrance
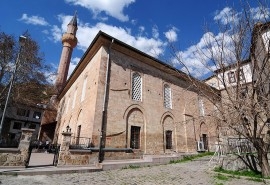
169 135
135 127
204 135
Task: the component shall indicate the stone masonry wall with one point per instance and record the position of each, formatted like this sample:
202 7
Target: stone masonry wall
17 156
74 157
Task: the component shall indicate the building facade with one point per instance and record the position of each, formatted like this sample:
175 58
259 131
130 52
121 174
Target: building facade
120 97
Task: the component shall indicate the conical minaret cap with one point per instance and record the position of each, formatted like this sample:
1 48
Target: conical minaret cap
73 20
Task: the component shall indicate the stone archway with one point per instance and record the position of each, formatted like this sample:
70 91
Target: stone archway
169 133
204 135
135 129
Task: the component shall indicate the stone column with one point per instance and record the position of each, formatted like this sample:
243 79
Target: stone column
64 154
25 143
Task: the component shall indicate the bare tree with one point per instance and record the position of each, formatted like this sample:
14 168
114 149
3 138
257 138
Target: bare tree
238 59
30 83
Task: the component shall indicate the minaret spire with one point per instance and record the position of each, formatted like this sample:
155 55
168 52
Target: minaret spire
69 41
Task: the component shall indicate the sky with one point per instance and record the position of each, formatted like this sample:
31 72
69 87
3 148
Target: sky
149 26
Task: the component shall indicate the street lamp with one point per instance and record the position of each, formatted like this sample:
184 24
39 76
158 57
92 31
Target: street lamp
22 40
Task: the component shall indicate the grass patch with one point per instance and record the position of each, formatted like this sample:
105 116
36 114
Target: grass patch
191 157
131 167
246 173
256 179
221 177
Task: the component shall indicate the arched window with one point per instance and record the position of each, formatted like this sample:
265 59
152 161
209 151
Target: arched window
167 96
136 87
84 88
201 106
74 98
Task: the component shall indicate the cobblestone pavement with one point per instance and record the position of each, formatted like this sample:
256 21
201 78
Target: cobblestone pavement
188 173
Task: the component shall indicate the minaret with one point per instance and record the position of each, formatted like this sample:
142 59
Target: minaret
69 41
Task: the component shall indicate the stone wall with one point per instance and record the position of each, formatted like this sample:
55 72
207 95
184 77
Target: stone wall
17 156
69 157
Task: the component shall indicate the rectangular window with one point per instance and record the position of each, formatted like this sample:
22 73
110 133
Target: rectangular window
135 137
32 126
231 77
167 97
241 75
168 136
37 115
136 87
21 112
17 125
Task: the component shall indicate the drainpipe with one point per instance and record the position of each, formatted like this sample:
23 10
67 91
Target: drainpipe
105 107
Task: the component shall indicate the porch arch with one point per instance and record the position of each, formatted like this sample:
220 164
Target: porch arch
168 132
135 119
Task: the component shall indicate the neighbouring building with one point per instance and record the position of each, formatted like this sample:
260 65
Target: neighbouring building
244 89
18 117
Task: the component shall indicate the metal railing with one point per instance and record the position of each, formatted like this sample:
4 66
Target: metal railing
80 143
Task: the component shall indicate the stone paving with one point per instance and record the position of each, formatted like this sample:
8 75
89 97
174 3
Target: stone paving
189 173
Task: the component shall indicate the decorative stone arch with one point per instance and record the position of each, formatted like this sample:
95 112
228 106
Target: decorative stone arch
203 128
168 132
135 118
204 134
78 122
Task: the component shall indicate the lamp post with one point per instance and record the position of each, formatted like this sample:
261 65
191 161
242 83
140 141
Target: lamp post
22 40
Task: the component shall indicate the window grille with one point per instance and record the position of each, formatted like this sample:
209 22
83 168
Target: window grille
135 137
167 96
136 87
168 134
201 107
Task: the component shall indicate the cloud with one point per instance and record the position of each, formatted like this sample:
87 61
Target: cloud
112 8
86 33
155 32
56 33
35 20
226 16
260 13
202 58
72 65
171 35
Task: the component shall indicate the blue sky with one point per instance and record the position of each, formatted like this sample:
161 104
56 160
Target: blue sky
145 25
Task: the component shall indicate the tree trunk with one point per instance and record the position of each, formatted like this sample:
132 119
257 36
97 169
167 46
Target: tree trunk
263 163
